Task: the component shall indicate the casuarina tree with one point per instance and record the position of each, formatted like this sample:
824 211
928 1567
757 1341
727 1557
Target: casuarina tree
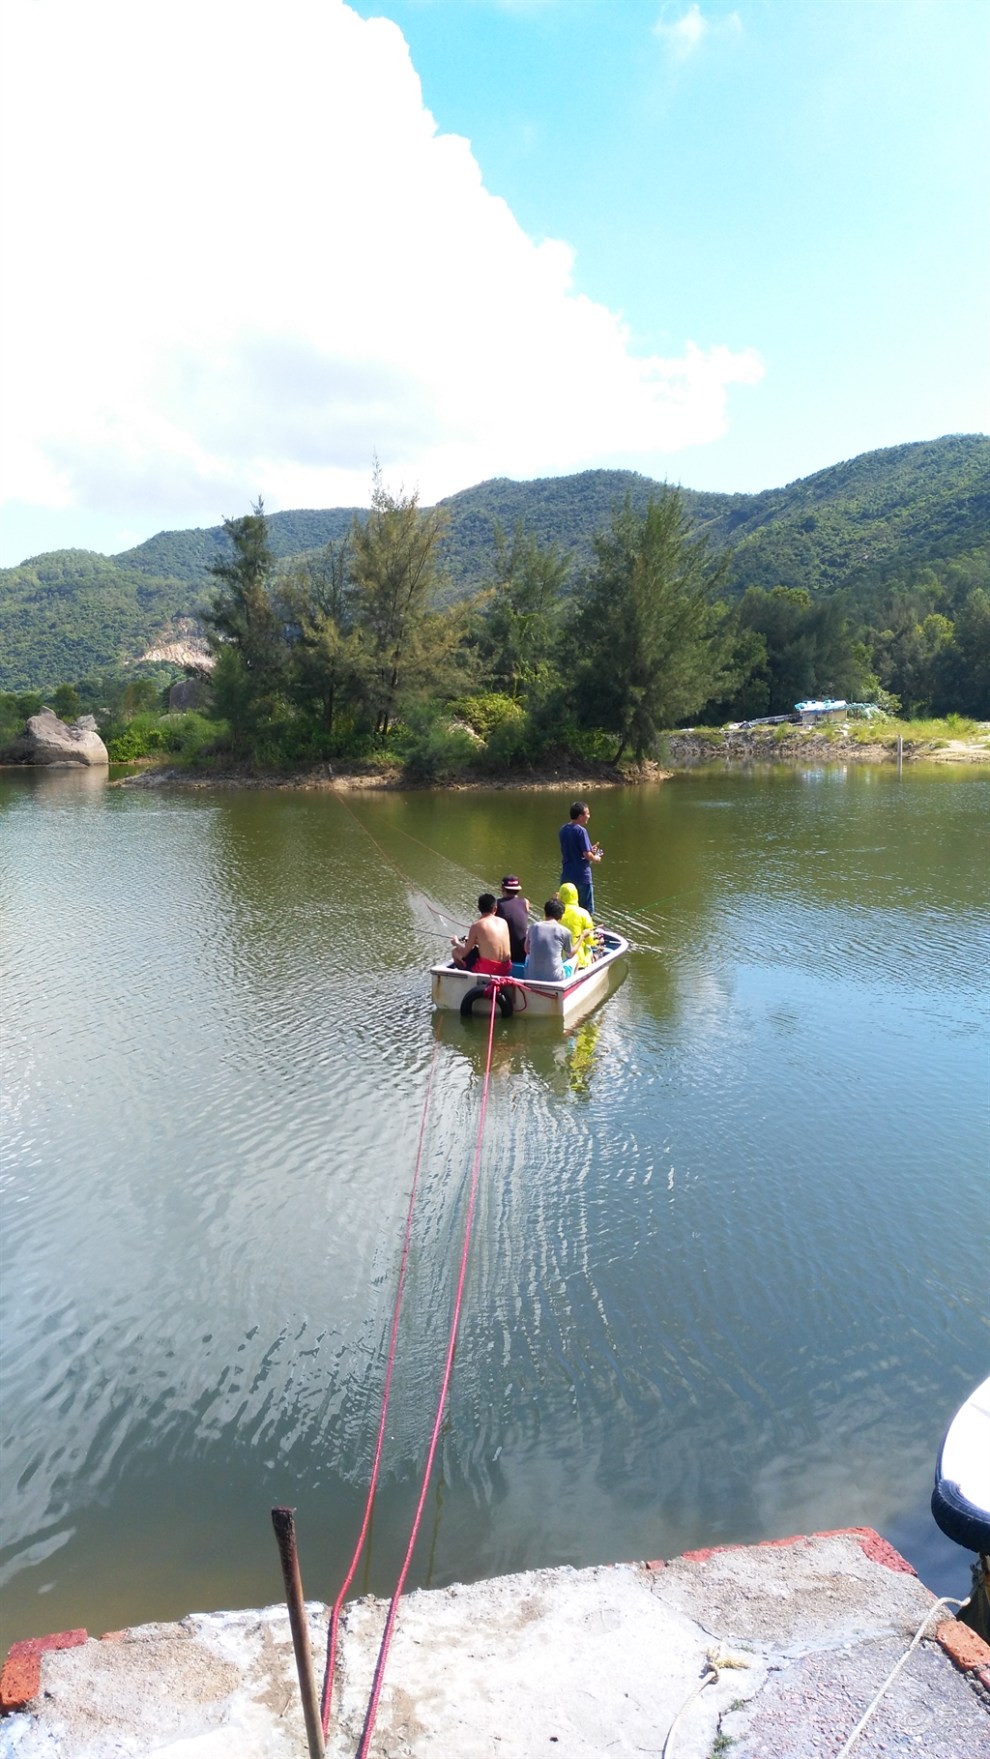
652 643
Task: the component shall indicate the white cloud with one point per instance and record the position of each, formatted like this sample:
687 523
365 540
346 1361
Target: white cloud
684 35
241 258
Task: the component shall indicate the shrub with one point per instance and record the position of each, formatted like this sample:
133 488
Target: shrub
488 711
438 752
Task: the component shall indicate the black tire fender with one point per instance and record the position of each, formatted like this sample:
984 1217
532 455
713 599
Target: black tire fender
481 992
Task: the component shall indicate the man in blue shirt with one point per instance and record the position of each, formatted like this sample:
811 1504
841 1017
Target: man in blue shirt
577 852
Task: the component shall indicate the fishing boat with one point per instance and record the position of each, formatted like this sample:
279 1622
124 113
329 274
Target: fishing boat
961 1498
453 987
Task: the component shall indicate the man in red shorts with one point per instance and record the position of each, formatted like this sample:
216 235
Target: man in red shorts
486 947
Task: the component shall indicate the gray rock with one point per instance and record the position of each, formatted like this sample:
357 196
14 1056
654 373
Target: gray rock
47 740
188 693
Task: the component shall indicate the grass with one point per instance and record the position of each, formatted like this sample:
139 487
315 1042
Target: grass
921 732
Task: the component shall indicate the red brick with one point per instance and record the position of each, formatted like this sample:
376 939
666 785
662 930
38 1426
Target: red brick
964 1647
20 1681
38 1645
877 1549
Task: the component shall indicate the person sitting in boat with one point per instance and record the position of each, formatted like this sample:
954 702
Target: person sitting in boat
486 947
581 925
514 909
548 945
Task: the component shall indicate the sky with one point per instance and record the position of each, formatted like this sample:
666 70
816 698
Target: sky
251 248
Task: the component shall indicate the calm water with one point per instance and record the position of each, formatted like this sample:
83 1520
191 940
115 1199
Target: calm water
729 1273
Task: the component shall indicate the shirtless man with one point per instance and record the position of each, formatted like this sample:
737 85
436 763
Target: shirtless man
486 947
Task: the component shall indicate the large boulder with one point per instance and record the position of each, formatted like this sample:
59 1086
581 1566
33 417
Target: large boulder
188 693
47 740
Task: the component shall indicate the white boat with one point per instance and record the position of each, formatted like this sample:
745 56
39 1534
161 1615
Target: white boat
467 992
961 1498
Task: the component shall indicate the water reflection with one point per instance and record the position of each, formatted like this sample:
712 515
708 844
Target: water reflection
46 786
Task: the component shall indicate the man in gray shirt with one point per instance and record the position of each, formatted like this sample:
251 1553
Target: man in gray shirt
548 944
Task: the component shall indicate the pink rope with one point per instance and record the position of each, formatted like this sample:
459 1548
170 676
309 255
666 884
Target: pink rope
379 1678
332 1636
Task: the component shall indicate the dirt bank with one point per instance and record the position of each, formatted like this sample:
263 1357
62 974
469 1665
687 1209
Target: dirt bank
327 778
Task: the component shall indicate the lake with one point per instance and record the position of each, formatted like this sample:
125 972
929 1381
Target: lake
728 1279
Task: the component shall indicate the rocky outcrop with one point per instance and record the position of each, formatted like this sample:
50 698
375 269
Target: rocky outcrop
47 740
188 693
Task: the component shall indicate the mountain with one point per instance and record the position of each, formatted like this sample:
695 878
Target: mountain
881 516
185 555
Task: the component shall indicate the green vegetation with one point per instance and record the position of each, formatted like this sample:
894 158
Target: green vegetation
651 643
617 608
72 613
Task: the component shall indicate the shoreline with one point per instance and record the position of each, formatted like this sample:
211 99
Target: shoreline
792 1637
683 752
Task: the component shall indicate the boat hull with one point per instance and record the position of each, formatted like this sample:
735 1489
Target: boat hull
961 1498
565 1002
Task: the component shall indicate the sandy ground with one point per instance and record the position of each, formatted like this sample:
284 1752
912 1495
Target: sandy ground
777 1649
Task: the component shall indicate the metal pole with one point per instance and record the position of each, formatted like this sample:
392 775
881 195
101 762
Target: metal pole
900 752
283 1521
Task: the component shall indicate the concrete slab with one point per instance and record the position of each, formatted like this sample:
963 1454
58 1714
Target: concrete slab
609 1661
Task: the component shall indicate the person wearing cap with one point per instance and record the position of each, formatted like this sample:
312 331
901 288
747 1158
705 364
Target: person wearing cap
514 910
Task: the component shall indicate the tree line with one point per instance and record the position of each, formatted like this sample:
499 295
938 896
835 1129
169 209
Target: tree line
360 650
356 648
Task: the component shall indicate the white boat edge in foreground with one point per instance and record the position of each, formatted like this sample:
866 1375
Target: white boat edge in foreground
560 1001
961 1498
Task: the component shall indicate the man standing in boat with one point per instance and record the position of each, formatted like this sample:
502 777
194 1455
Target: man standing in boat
577 852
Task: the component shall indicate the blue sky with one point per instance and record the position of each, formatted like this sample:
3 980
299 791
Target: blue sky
724 244
806 177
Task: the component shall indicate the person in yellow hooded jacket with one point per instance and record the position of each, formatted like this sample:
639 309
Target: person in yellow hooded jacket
580 922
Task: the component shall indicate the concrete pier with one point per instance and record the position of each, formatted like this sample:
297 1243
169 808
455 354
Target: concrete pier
756 1652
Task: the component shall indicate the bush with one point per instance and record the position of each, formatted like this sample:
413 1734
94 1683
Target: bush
439 752
144 736
489 711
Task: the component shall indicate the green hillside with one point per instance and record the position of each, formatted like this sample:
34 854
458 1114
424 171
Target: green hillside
73 612
185 555
875 519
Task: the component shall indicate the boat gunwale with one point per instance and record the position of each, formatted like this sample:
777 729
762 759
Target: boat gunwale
553 989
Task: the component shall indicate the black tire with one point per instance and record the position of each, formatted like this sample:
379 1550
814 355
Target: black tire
481 992
958 1519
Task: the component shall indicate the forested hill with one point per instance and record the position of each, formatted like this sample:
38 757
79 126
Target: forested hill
185 555
877 519
882 513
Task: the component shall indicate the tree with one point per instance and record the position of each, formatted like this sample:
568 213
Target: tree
651 643
520 627
804 647
247 629
395 570
67 702
319 599
963 665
